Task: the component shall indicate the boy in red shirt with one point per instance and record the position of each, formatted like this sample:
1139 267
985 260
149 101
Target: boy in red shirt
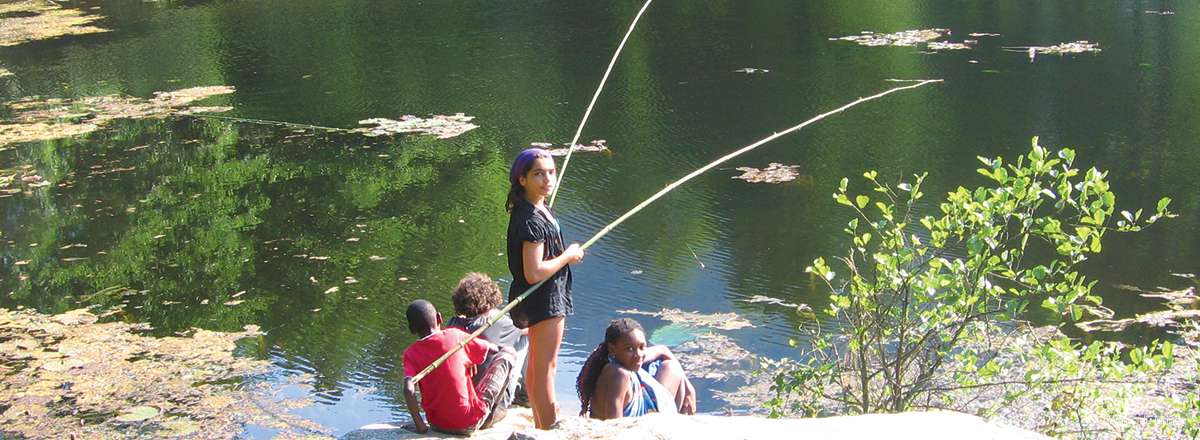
453 402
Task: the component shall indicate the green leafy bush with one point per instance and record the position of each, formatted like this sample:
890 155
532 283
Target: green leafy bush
928 305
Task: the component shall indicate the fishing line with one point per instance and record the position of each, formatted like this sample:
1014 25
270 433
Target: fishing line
571 146
267 122
656 196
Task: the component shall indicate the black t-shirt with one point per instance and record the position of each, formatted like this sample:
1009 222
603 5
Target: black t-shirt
502 333
553 298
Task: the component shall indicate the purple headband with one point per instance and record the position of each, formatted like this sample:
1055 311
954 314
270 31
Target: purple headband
522 163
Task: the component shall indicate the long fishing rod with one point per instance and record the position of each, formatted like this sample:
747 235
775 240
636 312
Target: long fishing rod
571 146
656 196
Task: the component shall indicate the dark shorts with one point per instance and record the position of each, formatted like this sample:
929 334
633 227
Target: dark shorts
540 306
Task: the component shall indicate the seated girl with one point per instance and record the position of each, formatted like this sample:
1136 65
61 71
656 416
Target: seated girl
625 378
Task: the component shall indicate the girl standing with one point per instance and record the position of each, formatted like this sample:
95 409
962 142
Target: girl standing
536 252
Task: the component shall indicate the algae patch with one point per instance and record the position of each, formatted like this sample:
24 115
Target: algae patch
25 21
595 146
773 173
715 357
442 126
719 321
902 38
1071 48
69 376
35 119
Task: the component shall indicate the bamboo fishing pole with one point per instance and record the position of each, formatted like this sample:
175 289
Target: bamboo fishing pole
656 196
571 146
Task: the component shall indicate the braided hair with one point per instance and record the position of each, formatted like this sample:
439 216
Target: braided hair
585 383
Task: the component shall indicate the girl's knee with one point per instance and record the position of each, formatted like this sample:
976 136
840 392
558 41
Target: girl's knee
671 367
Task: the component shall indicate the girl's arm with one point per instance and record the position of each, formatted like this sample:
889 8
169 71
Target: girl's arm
537 269
657 352
612 394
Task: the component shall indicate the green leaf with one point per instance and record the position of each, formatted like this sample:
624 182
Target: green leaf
862 201
1163 203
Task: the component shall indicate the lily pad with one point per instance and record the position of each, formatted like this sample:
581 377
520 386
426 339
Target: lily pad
138 414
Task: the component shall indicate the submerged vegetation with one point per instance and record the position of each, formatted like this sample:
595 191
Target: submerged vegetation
926 307
68 375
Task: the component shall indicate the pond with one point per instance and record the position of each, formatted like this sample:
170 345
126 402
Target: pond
216 223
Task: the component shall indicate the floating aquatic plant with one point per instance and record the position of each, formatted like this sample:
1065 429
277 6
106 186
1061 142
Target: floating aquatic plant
762 299
596 146
1076 47
948 45
30 20
903 38
719 321
442 126
773 173
36 119
712 356
69 376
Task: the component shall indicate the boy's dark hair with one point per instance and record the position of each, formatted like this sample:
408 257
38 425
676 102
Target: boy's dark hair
475 295
422 316
585 383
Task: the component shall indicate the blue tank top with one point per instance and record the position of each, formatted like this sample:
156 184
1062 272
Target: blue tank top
648 394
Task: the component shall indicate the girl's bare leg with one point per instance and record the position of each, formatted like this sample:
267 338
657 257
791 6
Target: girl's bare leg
670 374
545 338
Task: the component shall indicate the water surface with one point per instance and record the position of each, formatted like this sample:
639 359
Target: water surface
213 207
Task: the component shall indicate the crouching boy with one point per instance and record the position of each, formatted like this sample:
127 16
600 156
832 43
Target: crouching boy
453 402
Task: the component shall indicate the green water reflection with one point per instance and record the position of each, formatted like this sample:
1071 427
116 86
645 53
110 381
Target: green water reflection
189 213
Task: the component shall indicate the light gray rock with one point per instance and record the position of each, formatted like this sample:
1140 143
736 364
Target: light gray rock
934 425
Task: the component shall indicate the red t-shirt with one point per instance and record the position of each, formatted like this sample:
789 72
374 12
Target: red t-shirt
447 394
